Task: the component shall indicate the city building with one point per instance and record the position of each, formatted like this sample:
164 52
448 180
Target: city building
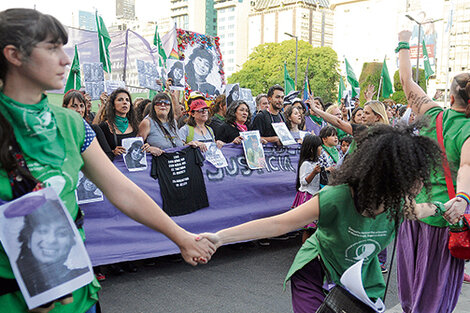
86 20
367 30
194 15
232 30
309 20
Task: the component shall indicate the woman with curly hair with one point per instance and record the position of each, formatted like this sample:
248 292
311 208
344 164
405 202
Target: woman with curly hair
358 215
120 120
425 265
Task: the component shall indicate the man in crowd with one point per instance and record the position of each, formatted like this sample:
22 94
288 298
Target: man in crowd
272 114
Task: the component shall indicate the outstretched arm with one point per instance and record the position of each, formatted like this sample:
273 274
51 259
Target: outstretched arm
136 204
463 181
329 118
269 226
417 98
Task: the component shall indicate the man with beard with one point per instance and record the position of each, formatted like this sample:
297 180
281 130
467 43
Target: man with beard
272 114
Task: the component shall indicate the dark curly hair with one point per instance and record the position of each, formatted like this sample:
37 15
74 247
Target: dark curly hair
230 116
111 111
388 164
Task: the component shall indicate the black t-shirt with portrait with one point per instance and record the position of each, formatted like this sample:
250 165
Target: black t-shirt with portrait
263 121
181 181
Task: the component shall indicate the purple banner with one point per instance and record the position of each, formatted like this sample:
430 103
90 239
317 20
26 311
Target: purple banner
236 195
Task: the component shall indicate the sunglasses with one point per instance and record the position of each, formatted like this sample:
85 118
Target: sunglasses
163 103
202 110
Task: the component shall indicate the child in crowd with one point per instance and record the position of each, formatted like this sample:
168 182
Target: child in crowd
308 176
345 142
330 156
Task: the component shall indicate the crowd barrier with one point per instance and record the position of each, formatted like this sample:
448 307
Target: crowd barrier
236 195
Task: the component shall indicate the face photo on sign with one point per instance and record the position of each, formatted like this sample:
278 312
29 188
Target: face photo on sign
232 93
134 158
202 71
214 155
175 70
283 133
86 68
248 98
45 250
254 152
87 191
97 73
140 67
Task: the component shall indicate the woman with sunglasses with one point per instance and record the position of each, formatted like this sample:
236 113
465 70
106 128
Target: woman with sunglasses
159 129
196 131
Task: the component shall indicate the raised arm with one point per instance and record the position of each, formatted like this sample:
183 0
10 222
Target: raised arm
136 204
417 98
268 227
329 118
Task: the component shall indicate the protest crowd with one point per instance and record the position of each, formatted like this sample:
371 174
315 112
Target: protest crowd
369 171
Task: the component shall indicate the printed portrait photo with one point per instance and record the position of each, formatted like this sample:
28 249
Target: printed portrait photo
134 158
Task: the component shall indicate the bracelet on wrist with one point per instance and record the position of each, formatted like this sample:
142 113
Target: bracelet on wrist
464 196
440 208
402 45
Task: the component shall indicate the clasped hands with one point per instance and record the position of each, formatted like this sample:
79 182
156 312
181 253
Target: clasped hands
455 209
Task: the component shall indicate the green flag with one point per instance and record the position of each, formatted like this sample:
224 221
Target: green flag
342 88
289 84
158 43
427 66
352 79
387 86
103 43
74 79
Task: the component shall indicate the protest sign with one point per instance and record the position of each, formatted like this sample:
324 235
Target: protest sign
253 148
283 133
46 252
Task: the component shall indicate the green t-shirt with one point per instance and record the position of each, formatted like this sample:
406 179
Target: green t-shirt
456 129
64 181
344 237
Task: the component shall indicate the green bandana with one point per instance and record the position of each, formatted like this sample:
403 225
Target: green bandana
316 119
34 125
121 123
220 117
333 152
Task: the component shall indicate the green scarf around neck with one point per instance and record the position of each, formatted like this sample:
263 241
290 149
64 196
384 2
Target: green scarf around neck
122 123
35 129
316 119
333 152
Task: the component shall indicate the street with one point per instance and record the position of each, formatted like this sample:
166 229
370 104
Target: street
243 278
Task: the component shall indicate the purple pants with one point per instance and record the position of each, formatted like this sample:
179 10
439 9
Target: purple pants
306 287
429 278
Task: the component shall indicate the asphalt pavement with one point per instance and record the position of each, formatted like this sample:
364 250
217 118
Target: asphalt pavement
239 278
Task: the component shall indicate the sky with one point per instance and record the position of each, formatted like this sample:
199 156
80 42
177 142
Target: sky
146 10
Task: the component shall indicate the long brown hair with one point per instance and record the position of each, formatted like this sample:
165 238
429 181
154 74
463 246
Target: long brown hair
111 111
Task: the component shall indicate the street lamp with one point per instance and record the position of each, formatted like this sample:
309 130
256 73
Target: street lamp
296 53
419 42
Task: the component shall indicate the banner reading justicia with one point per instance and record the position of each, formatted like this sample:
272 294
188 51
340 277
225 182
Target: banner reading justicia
236 195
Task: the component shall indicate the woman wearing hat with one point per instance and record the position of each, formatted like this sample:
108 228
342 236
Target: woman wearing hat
196 131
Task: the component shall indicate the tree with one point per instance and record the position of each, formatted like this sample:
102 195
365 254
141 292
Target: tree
370 75
265 67
399 95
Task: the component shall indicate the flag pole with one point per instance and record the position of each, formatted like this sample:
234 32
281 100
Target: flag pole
380 85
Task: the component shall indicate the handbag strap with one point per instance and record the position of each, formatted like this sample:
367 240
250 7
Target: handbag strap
445 163
391 263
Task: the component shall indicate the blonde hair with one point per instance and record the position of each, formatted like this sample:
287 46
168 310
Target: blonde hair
331 108
379 109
